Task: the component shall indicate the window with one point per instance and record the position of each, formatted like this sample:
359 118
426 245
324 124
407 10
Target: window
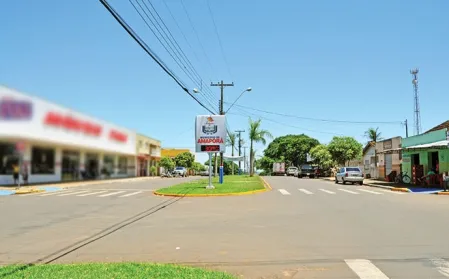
42 161
122 165
7 157
352 169
108 165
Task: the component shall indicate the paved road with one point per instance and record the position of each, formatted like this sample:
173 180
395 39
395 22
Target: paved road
302 229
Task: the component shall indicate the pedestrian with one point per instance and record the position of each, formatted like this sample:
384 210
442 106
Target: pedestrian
15 173
25 175
445 181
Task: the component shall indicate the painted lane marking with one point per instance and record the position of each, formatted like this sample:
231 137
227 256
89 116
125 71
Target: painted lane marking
284 192
73 193
327 191
131 194
111 194
368 191
306 191
92 193
365 269
347 191
441 265
53 193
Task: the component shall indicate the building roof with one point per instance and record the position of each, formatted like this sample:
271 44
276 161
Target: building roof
438 144
366 148
439 127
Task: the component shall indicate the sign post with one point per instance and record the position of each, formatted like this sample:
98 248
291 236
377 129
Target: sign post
210 137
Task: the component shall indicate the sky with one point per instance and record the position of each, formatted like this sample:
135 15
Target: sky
338 60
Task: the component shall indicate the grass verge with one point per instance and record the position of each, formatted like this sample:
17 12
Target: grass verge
232 185
108 271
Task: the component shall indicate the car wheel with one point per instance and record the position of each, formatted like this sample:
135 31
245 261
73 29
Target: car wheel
361 183
336 180
343 181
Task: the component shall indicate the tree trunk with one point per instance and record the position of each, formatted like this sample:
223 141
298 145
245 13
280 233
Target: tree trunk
251 166
232 162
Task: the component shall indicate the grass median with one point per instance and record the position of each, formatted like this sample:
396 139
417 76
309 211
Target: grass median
108 271
233 184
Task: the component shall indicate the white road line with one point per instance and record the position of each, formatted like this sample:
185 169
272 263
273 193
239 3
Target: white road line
284 192
365 269
92 193
73 193
327 191
371 192
52 193
111 194
306 191
347 191
131 194
441 265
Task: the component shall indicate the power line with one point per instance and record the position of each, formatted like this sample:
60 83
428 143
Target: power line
219 39
318 119
150 52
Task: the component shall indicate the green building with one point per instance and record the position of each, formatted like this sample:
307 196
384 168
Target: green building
430 150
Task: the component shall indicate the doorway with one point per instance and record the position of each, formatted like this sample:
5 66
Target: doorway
433 161
70 165
91 165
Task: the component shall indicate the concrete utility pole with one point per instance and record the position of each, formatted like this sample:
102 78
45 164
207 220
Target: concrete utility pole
221 109
240 146
244 156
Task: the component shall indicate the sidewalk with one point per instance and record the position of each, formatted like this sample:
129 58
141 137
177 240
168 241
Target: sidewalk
65 185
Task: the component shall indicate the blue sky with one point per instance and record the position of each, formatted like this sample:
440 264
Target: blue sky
346 60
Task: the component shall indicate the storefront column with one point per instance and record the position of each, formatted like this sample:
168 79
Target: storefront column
58 163
82 166
101 164
115 165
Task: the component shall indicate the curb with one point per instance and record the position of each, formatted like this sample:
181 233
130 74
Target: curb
380 186
31 191
265 184
443 193
401 190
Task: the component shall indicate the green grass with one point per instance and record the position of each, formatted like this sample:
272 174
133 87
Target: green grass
232 184
108 271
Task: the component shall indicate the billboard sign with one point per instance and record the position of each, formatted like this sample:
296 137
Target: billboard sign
210 133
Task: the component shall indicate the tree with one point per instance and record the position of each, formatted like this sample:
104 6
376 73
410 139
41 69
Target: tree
228 167
230 141
373 135
344 149
185 159
322 157
167 163
291 149
256 135
198 167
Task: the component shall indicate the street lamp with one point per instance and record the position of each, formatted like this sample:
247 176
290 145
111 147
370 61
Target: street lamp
247 89
195 90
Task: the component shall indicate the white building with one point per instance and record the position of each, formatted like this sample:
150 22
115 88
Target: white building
59 144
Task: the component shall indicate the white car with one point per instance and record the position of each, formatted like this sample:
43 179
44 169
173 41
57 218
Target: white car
292 171
349 174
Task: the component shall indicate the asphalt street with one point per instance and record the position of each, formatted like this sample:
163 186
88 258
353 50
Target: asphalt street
303 228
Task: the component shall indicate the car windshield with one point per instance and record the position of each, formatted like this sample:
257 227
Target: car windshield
179 168
353 169
306 167
292 168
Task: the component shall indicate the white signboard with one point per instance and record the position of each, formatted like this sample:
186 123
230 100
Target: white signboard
210 133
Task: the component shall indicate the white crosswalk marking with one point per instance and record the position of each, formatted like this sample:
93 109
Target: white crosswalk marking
284 192
130 194
92 193
73 193
111 194
371 192
327 191
306 191
441 265
365 269
51 193
347 191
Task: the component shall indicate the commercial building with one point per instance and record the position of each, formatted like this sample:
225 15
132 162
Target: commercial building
53 143
427 151
148 154
369 167
389 157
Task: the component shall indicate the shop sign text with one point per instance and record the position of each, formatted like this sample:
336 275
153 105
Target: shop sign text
15 110
71 123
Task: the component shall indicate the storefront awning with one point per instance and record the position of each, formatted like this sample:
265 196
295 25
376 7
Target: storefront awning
438 145
390 151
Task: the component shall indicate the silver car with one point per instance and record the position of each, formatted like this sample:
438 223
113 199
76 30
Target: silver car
292 171
349 174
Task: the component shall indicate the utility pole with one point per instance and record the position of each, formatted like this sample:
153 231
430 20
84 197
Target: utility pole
221 109
244 157
240 146
406 128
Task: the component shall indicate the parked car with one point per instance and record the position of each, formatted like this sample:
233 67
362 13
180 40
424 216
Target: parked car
349 174
306 170
204 173
181 171
292 171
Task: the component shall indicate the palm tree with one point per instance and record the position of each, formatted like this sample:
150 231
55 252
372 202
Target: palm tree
256 135
230 141
373 136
